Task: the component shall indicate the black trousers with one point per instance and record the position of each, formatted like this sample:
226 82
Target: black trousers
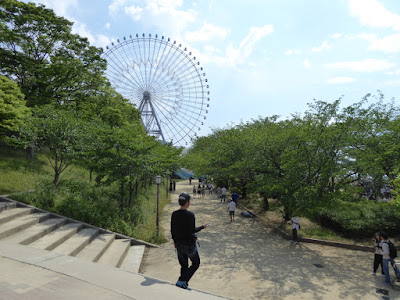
377 262
295 238
184 254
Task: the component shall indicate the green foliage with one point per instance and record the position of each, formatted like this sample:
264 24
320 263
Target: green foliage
39 52
359 219
13 111
97 205
309 161
61 133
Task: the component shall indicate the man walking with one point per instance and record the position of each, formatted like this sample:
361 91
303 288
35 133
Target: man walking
231 207
387 257
223 194
183 231
296 226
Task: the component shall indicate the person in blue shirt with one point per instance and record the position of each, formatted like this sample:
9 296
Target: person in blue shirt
235 197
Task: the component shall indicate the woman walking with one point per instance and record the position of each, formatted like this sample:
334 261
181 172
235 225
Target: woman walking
378 254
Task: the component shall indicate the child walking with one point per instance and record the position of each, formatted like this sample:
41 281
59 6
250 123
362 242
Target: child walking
231 207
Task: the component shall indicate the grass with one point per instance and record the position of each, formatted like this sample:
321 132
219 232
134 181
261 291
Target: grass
30 181
308 229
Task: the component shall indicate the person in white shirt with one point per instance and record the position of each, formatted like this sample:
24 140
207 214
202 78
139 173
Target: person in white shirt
231 207
386 259
378 254
223 194
296 226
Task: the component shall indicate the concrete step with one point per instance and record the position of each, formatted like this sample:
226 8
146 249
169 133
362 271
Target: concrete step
116 253
97 247
133 258
10 214
7 205
36 231
21 223
55 238
77 242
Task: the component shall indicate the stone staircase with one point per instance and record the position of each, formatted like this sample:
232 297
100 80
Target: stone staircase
33 227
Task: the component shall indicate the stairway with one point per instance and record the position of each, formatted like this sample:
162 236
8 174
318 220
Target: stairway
33 227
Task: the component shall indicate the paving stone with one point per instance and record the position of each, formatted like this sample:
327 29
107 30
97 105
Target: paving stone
115 254
21 223
97 247
55 238
36 231
133 258
10 214
77 242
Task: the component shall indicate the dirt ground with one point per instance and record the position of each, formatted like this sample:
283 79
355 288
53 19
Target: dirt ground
244 260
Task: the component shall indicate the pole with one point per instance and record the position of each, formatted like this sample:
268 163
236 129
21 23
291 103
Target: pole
158 200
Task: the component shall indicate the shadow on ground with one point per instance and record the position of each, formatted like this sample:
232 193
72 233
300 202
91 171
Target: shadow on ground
244 260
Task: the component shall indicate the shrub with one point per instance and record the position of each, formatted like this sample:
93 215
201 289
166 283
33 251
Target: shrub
359 219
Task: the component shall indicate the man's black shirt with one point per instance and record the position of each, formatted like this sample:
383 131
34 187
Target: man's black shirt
183 227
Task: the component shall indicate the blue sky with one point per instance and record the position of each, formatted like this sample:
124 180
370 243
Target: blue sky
263 57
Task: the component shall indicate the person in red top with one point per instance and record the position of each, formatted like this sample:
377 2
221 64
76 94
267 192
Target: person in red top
183 231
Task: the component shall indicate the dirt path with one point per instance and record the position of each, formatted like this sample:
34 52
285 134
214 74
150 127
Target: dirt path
244 260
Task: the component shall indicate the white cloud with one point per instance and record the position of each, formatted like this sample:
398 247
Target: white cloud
337 35
206 33
239 55
292 52
107 25
164 14
306 63
366 65
372 13
324 46
116 6
61 8
341 80
134 11
388 44
395 72
393 83
236 56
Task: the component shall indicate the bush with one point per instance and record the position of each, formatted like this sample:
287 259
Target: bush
359 219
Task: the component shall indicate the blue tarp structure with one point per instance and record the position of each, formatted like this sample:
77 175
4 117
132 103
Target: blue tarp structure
183 173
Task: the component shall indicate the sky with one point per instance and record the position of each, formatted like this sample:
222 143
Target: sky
262 57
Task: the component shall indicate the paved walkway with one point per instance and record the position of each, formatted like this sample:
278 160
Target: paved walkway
244 260
34 274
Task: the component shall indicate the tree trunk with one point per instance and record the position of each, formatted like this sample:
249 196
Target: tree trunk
130 193
56 177
90 175
121 202
30 152
266 203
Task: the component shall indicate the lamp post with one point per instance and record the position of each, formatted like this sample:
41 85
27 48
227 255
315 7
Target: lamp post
158 181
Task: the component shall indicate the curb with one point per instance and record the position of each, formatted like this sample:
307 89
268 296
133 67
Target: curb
309 240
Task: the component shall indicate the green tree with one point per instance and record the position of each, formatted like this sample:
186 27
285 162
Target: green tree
13 111
39 52
62 135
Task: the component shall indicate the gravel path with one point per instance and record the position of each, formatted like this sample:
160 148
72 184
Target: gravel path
244 260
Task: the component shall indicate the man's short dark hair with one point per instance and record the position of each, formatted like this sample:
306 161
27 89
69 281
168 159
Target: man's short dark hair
384 235
183 198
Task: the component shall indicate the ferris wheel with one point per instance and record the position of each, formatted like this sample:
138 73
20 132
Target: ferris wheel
165 82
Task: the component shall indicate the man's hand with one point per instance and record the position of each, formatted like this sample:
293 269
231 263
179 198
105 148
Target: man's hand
206 225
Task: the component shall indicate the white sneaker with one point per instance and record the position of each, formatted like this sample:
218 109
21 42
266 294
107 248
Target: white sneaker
382 275
373 273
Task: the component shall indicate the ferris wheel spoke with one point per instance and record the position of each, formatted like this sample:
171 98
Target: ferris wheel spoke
131 65
154 60
118 73
165 74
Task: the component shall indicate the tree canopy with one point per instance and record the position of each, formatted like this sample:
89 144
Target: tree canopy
39 52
